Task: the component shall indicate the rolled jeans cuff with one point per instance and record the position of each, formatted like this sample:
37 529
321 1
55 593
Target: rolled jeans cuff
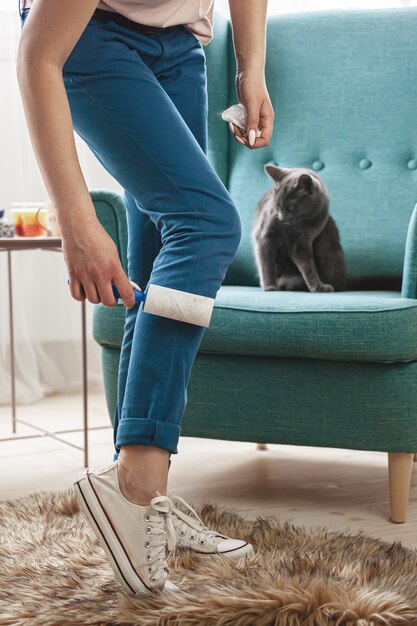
146 431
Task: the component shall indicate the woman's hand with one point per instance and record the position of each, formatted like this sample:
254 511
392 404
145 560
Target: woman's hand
93 265
252 93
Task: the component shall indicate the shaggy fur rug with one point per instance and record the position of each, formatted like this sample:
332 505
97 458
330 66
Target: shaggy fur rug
53 572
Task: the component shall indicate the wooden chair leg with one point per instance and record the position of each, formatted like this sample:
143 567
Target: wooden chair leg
400 465
262 446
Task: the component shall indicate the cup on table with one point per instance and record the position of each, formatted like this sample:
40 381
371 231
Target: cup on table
34 220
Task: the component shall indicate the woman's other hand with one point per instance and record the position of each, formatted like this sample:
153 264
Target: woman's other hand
252 93
93 265
249 40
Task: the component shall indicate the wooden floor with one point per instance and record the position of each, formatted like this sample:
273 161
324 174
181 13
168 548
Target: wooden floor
340 489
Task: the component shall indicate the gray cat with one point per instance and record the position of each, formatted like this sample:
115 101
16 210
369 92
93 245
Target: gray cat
296 241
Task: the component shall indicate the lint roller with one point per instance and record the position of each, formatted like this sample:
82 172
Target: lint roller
174 304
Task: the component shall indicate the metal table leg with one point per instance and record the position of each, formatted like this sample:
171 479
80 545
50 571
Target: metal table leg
13 376
12 360
85 391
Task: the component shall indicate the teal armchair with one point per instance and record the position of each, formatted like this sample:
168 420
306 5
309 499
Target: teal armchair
312 369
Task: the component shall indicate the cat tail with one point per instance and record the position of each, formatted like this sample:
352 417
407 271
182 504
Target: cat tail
371 281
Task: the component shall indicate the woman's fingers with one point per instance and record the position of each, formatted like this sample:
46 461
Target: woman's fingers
101 291
104 288
266 121
243 139
135 285
97 290
91 291
125 289
237 134
76 289
259 142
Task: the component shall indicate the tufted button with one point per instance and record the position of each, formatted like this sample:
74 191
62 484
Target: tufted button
364 164
412 164
317 165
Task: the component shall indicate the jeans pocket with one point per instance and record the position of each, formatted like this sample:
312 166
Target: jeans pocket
190 34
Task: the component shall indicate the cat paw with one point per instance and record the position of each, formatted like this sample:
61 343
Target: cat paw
324 287
270 288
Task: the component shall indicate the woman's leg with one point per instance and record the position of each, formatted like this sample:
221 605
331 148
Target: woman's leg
144 239
124 114
144 243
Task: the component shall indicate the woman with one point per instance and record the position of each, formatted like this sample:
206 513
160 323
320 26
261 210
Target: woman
130 78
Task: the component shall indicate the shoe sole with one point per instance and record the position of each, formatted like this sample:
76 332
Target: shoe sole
108 540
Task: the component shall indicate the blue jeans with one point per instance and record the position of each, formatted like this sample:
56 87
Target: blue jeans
139 101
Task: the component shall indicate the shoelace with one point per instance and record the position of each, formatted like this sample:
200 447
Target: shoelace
160 525
196 523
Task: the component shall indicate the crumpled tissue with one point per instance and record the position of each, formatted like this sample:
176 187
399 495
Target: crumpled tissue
237 115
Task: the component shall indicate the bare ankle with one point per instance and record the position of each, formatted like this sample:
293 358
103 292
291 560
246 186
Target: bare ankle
134 490
142 473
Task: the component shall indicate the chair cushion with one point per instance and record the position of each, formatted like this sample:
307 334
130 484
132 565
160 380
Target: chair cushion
348 326
354 325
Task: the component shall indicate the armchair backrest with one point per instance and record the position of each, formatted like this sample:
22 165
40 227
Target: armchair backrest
343 85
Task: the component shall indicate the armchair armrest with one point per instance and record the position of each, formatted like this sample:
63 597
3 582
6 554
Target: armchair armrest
111 213
409 283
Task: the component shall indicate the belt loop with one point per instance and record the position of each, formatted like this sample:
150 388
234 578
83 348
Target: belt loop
20 12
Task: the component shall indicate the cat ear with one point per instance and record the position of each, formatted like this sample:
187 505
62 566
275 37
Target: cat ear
305 183
275 172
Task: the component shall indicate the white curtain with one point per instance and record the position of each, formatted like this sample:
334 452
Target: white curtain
47 319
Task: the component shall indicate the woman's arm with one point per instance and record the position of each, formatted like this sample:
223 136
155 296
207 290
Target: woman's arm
49 34
248 19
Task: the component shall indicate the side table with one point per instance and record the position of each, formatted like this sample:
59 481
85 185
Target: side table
10 244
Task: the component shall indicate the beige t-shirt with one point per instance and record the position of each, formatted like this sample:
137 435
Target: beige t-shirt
195 15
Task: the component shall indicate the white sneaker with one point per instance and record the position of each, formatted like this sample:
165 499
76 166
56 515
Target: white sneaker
192 533
135 538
